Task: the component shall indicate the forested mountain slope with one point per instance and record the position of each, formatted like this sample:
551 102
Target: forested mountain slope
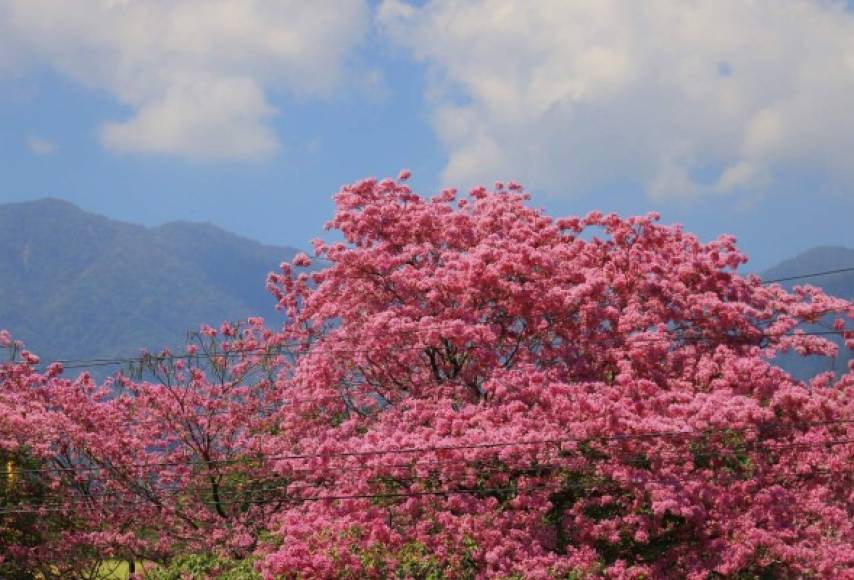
78 285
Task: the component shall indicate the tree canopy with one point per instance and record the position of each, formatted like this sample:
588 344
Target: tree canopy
464 387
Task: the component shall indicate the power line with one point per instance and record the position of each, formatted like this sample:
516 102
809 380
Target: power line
622 455
228 499
531 470
811 275
438 448
636 459
138 501
94 363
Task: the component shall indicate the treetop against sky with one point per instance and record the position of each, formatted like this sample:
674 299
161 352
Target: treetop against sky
465 387
720 114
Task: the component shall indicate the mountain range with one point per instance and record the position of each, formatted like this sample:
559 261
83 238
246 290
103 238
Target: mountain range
75 285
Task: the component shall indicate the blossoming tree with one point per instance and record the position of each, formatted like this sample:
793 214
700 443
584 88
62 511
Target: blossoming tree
467 387
502 393
143 468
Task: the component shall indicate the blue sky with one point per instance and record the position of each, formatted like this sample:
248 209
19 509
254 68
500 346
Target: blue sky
721 116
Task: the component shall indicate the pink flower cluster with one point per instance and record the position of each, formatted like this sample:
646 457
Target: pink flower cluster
469 388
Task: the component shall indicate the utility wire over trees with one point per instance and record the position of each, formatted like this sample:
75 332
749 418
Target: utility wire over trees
468 388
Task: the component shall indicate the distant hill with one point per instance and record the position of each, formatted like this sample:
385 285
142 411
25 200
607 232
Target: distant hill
78 285
841 284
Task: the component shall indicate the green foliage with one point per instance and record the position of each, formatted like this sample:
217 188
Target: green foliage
18 487
414 560
200 566
728 453
417 562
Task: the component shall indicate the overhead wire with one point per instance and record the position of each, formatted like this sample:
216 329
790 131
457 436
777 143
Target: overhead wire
95 363
138 500
441 448
811 275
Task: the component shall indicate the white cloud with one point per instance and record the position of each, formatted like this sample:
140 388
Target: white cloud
203 118
195 74
682 98
41 146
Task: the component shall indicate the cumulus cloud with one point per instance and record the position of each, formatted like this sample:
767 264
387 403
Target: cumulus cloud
205 118
683 99
194 74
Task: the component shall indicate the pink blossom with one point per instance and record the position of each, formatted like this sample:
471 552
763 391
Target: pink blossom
301 260
469 390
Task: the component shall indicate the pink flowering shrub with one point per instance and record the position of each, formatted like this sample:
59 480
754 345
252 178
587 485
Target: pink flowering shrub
464 387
